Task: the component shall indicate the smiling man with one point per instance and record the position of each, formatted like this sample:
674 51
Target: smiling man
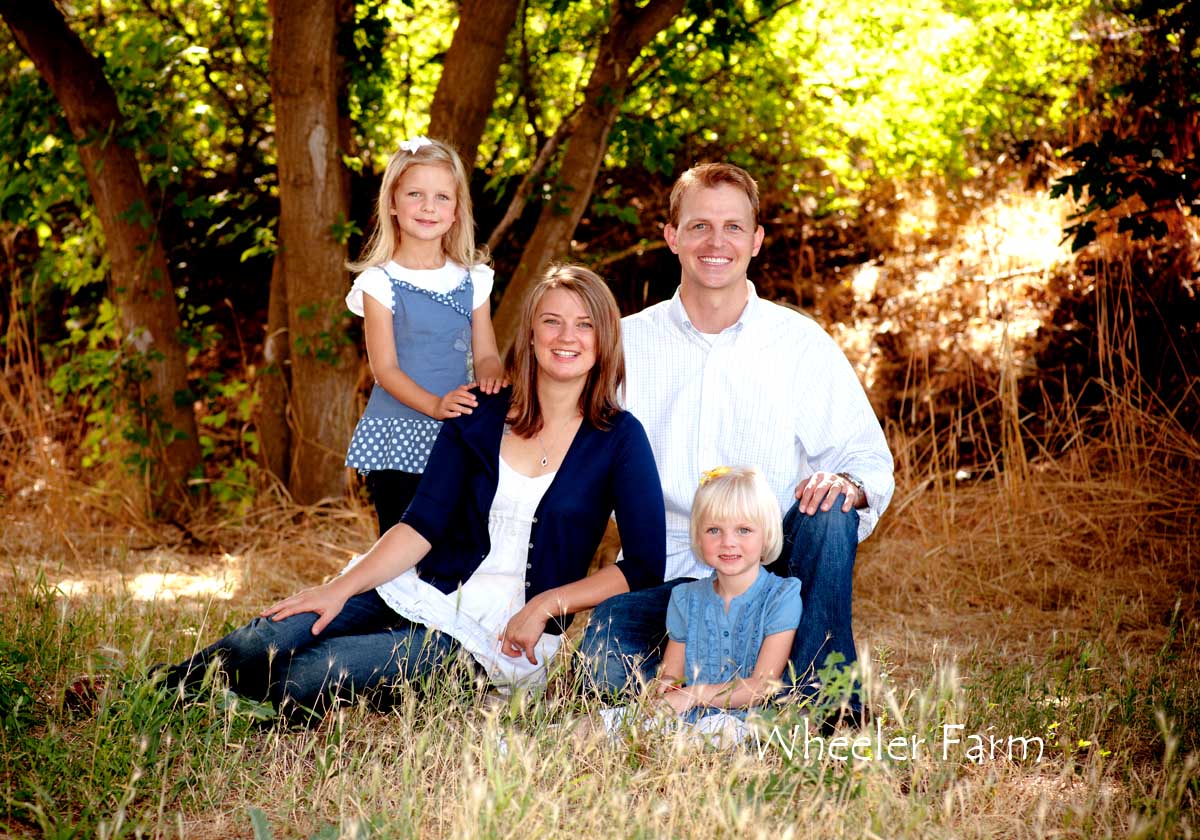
719 376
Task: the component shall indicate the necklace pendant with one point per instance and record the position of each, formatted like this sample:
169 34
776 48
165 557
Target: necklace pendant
545 460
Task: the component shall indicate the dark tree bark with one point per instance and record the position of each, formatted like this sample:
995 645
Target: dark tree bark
629 31
312 200
274 379
467 88
140 282
274 382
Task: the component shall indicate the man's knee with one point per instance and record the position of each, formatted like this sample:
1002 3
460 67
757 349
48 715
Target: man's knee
611 662
834 522
835 531
600 650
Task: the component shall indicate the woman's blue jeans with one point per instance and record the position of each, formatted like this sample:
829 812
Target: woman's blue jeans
624 639
366 648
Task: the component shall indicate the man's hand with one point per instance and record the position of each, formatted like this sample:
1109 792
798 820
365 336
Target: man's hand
821 489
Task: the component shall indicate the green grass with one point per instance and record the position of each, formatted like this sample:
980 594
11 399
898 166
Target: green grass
1120 733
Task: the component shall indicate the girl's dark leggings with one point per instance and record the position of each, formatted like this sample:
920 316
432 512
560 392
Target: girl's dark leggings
390 492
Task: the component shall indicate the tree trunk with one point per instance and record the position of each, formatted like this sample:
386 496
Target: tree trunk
467 88
312 200
630 30
274 381
140 281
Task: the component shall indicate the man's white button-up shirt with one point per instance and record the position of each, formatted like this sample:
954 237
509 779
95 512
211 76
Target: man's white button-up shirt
773 391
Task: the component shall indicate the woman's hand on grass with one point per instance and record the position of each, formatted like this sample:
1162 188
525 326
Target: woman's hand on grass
323 600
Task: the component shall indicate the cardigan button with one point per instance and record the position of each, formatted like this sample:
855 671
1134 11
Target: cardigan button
526 584
535 520
528 565
531 545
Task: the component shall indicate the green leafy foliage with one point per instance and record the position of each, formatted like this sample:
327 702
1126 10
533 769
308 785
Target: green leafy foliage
1143 162
323 344
16 696
823 101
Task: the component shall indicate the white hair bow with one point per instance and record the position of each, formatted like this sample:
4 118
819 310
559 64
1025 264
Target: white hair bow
414 144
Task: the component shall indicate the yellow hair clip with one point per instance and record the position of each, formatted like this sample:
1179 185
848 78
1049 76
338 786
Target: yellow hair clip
715 472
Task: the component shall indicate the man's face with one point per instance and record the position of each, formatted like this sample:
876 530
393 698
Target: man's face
716 236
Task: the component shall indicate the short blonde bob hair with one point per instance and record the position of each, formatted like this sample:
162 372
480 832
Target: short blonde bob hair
598 403
740 494
458 243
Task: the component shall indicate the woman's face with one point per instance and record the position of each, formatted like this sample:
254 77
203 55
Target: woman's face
564 336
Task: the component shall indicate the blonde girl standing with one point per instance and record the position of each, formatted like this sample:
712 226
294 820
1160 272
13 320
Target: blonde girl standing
423 292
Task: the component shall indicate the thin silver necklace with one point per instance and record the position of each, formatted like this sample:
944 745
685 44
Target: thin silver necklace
545 454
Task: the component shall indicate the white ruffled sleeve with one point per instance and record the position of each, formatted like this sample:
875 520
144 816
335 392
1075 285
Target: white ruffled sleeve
482 279
373 282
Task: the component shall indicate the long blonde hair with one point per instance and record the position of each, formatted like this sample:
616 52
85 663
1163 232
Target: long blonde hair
458 243
598 402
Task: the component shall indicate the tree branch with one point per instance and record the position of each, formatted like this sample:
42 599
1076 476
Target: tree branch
521 197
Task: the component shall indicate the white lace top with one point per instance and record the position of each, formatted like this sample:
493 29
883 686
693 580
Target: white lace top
479 610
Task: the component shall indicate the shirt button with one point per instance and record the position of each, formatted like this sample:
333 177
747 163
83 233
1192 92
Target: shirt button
726 634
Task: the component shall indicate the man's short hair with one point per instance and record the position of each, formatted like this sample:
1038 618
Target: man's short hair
713 175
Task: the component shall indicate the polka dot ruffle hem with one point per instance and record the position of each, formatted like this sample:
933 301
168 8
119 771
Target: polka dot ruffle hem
391 443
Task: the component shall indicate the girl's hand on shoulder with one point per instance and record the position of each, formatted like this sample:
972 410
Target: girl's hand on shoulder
458 402
322 600
491 384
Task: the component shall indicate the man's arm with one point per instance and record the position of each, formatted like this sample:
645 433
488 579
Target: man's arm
844 444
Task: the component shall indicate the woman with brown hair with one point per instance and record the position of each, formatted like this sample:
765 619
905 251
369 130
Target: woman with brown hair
491 557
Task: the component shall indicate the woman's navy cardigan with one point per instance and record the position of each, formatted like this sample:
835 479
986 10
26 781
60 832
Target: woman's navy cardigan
602 472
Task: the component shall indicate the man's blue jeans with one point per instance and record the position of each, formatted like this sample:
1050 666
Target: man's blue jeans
624 639
366 647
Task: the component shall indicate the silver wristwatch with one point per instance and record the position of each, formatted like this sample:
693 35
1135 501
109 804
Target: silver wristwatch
855 480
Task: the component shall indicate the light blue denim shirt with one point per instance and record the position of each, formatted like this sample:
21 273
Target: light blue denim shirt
719 645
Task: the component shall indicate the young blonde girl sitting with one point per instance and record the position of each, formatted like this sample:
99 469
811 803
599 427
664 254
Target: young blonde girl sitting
729 635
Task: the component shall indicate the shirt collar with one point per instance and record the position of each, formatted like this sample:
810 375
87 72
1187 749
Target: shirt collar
746 597
749 314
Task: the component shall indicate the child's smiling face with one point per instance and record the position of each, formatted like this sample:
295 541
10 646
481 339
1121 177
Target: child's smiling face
731 546
424 202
